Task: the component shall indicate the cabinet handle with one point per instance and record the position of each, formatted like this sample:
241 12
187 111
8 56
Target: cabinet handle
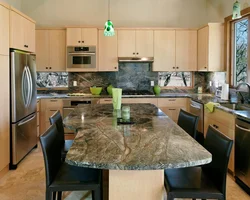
50 68
53 100
172 109
173 67
79 41
205 67
134 53
177 67
215 126
26 46
82 41
137 53
46 67
53 110
244 129
115 67
172 100
107 100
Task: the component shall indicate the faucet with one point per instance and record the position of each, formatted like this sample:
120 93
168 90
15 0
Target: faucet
242 97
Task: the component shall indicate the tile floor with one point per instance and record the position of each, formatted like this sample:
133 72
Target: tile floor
28 183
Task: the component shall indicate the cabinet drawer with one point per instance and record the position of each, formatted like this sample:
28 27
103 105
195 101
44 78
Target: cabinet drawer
54 103
173 113
140 100
172 102
50 112
106 101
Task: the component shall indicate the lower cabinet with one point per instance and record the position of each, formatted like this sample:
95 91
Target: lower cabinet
47 108
171 106
131 100
225 123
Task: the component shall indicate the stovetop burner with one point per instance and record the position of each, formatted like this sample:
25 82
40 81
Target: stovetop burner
137 92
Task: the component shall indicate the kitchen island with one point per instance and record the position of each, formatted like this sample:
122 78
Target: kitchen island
135 155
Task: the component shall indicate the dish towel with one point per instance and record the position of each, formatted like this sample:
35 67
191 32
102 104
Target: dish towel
210 106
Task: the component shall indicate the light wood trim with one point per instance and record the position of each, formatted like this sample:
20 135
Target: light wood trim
131 184
5 4
153 101
4 30
22 14
4 171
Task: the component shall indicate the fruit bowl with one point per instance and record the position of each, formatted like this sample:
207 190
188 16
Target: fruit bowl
95 90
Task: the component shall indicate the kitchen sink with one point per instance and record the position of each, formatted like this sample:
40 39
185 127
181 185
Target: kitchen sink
236 106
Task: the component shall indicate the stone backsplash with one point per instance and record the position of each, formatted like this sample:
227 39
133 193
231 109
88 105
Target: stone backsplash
131 76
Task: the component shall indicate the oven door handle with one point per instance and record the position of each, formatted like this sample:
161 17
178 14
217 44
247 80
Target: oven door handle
82 54
195 106
243 129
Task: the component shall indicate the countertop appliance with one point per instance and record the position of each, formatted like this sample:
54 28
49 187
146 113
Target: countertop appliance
242 153
81 57
70 104
197 109
22 106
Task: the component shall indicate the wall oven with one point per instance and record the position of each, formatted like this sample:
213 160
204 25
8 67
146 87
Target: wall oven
81 57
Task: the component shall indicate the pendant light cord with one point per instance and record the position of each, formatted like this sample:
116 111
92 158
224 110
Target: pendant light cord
109 9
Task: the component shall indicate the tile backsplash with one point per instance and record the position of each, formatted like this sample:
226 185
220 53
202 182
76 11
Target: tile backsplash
131 76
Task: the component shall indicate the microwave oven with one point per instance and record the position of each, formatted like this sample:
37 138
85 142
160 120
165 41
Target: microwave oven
81 57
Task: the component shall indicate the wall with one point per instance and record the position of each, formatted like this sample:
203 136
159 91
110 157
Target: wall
130 13
219 9
14 3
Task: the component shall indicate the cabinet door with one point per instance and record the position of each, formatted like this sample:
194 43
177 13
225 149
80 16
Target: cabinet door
29 35
74 37
107 52
5 113
203 49
144 43
57 50
164 50
4 31
186 50
89 37
126 43
17 31
42 50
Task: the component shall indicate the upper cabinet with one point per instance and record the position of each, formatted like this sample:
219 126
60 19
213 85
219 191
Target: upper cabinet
175 50
107 52
211 47
51 50
81 36
4 30
186 50
22 31
137 43
164 50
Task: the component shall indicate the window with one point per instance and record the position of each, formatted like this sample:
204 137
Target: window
175 79
240 51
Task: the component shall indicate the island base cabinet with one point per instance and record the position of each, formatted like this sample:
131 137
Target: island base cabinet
125 184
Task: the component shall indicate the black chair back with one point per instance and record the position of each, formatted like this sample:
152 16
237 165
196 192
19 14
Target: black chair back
56 118
220 147
51 148
188 122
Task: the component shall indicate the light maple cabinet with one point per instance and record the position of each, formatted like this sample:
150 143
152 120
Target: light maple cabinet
4 29
82 36
107 52
22 31
225 123
164 50
171 106
186 50
4 116
211 47
51 50
137 43
153 101
47 108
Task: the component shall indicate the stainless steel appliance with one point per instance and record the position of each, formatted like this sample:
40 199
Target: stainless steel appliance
70 104
23 105
198 110
242 153
136 59
81 57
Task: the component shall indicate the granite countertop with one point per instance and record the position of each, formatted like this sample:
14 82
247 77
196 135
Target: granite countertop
153 142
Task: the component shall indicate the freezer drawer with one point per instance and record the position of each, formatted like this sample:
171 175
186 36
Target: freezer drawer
24 138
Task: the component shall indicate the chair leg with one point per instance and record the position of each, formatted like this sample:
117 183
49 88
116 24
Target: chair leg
59 195
193 199
96 194
49 194
54 195
169 197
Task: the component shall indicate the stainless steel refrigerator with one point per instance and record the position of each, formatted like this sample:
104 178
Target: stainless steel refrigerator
23 125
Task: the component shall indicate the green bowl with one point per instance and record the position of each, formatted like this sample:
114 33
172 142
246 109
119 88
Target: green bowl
96 90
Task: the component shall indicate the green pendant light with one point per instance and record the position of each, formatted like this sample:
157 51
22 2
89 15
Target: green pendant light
109 27
236 10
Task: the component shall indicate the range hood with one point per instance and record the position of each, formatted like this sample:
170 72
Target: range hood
136 59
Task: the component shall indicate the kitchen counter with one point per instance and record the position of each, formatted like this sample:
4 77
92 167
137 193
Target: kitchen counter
154 142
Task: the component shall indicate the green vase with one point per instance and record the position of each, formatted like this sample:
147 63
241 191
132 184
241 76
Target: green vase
157 89
109 89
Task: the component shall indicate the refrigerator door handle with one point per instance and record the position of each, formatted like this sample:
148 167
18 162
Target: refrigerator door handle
30 85
26 120
24 93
